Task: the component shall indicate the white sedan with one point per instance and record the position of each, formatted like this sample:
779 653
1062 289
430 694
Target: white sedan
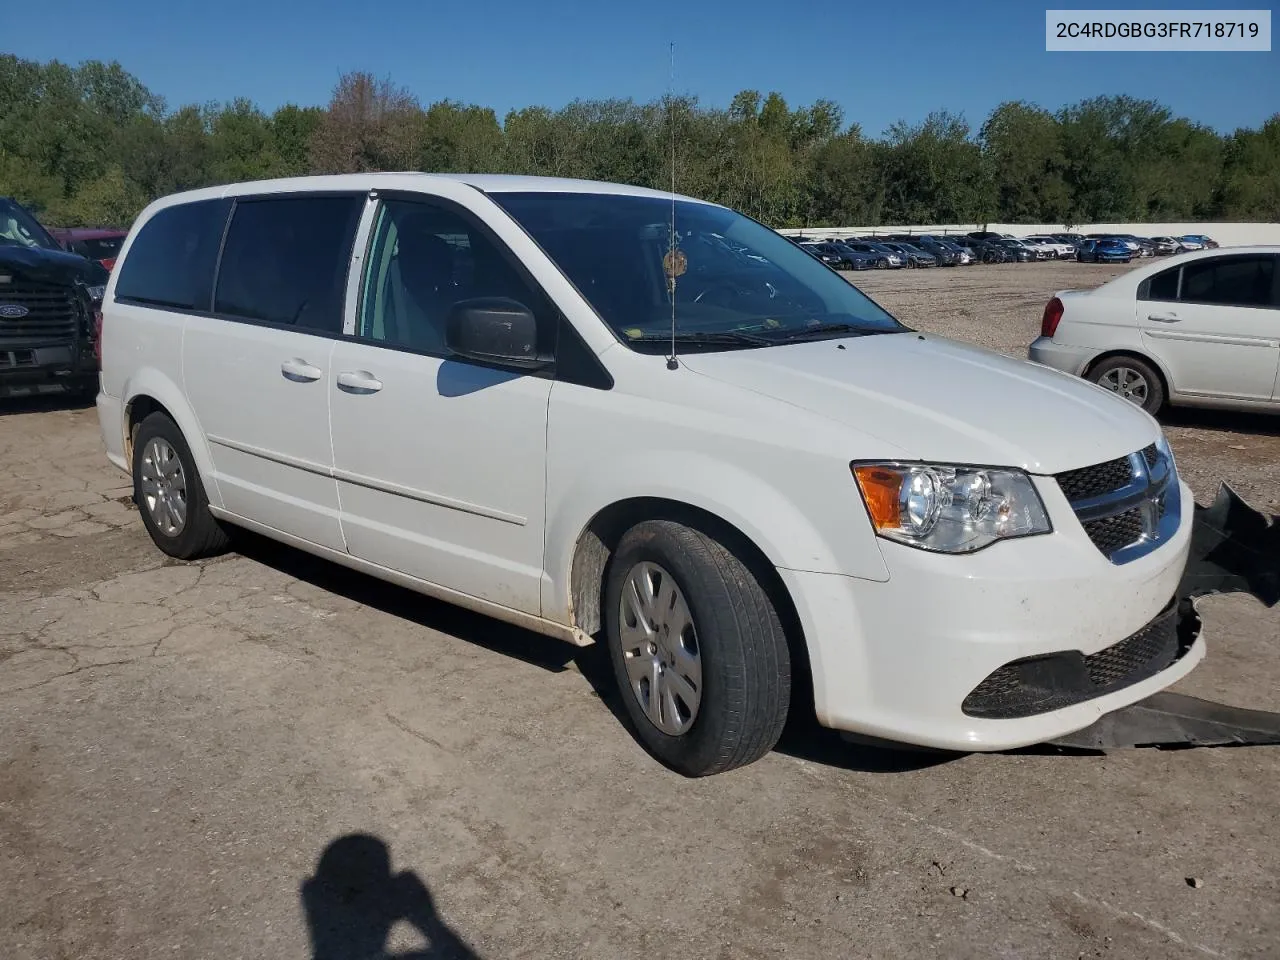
1060 250
1198 329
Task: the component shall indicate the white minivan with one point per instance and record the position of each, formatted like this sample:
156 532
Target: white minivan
609 414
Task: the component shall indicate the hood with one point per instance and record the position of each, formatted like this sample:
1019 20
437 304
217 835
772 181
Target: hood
928 398
50 266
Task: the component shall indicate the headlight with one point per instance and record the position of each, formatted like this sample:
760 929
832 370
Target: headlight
950 509
98 292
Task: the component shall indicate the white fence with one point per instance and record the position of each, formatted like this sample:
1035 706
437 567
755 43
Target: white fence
1227 234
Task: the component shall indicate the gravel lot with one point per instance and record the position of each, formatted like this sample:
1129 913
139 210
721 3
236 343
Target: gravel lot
190 756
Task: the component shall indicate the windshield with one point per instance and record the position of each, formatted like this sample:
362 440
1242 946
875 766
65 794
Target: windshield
741 285
19 227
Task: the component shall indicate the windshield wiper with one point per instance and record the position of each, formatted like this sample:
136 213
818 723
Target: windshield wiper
706 336
825 328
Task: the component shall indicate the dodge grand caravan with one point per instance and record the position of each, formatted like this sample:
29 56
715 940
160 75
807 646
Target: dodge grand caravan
610 415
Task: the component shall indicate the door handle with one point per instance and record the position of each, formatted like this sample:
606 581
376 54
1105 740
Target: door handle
299 371
358 382
1163 317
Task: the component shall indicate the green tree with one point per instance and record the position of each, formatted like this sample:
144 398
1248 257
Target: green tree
1250 188
292 128
1023 149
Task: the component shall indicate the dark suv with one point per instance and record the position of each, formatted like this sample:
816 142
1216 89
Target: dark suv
49 302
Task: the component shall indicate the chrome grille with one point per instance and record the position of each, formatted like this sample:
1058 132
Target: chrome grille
1111 533
1096 480
51 310
1127 506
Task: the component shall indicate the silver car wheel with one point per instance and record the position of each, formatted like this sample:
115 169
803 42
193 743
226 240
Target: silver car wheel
164 487
660 648
1126 382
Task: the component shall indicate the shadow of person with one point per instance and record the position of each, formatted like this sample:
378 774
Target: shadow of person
353 901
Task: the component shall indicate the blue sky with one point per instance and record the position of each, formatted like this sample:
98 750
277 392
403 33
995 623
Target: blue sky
882 61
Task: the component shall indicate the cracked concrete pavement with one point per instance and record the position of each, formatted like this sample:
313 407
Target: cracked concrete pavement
181 743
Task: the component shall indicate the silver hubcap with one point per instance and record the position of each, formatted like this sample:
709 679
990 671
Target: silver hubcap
164 487
1127 382
660 648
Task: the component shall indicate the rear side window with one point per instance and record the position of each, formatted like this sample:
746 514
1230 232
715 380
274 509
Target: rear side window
1163 286
285 261
1230 281
170 263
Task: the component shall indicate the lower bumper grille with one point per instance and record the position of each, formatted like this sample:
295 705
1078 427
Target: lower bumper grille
1034 685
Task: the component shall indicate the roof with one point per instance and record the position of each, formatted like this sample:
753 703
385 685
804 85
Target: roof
411 180
1157 264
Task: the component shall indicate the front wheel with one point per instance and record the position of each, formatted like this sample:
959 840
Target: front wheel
698 650
1133 379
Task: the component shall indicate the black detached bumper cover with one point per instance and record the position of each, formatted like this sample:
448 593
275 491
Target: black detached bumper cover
1234 549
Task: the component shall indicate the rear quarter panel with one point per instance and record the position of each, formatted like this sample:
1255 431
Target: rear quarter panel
142 357
1101 321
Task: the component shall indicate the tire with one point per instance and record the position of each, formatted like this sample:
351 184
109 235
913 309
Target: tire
738 642
882 264
1117 375
198 534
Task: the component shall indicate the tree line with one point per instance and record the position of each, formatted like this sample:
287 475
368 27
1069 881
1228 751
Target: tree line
91 145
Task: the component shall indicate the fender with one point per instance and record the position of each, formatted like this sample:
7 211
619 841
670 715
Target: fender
151 382
769 518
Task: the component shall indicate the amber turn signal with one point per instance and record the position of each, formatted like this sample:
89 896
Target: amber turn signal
882 491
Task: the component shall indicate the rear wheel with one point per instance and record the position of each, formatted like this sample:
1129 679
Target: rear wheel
169 493
697 648
1133 379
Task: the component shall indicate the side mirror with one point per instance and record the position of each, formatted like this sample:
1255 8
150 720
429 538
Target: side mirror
494 330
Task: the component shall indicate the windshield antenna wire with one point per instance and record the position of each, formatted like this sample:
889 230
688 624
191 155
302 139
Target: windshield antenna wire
670 260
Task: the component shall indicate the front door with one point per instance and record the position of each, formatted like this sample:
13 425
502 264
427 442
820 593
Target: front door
440 463
1215 323
257 372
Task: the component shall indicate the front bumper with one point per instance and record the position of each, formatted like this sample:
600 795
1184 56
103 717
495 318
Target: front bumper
28 364
897 660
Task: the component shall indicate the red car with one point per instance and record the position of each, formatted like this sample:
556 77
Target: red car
97 243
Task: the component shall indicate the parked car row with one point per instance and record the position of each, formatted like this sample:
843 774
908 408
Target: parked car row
983 246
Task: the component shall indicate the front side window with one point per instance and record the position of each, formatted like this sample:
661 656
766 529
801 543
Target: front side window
170 262
737 283
426 258
285 261
1245 281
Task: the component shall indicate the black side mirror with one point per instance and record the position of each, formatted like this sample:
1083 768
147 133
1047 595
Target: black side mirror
494 330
